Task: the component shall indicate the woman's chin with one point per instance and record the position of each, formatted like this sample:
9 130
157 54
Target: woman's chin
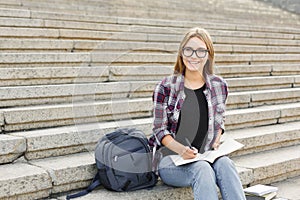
193 68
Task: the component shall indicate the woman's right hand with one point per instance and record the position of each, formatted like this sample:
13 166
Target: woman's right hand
189 153
184 151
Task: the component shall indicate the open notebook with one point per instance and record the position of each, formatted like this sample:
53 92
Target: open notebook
227 147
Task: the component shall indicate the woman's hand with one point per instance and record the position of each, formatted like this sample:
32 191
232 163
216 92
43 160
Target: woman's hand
189 153
184 151
216 144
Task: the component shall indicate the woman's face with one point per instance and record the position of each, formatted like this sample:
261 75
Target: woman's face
194 54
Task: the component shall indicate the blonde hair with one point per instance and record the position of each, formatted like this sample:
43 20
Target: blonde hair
203 35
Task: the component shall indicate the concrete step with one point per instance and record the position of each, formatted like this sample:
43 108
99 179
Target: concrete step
297 82
91 92
273 165
158 13
86 59
66 140
239 77
48 45
68 172
262 138
143 20
124 10
184 8
21 22
53 74
15 44
9 12
41 178
43 74
50 20
80 138
114 27
120 46
254 59
256 41
76 171
160 191
28 32
150 9
288 188
257 70
134 36
154 72
139 28
285 69
261 83
12 147
24 181
11 58
23 45
173 4
69 93
32 117
250 99
264 115
146 6
37 28
140 5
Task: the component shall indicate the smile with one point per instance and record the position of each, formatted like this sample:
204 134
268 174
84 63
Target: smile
194 62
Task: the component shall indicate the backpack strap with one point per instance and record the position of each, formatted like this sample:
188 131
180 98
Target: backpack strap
96 182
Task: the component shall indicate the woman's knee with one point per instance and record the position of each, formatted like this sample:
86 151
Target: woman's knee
203 168
201 165
178 176
204 175
223 164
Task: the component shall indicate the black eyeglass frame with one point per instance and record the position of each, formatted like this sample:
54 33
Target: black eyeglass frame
195 51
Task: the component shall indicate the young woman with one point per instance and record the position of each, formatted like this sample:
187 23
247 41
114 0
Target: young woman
190 106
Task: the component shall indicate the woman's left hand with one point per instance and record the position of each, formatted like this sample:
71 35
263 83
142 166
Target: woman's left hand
216 144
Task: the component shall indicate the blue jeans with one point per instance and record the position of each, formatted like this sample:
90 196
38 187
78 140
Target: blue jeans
204 178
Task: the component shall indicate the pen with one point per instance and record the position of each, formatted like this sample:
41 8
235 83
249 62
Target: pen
189 144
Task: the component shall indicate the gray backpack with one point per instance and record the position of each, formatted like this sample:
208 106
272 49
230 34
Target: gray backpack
124 162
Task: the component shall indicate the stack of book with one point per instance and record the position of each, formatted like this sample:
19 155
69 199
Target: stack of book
260 192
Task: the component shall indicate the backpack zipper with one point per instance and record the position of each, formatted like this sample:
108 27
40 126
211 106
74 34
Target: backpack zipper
115 158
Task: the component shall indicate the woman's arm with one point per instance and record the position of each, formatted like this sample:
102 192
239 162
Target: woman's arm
160 122
163 137
222 126
216 144
184 151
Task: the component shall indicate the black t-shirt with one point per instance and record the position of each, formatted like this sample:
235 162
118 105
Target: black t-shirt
193 120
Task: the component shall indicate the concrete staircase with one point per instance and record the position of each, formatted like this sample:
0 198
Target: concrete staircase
73 71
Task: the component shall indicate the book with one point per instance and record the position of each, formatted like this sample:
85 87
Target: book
260 189
268 196
228 146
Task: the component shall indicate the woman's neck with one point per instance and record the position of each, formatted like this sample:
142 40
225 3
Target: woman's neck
193 80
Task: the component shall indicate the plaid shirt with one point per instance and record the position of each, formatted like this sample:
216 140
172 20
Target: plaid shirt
168 99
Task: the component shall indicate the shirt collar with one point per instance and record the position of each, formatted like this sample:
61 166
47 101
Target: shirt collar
207 81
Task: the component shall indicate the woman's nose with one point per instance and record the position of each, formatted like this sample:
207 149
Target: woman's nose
194 55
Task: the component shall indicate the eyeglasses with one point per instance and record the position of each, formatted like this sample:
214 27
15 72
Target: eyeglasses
200 53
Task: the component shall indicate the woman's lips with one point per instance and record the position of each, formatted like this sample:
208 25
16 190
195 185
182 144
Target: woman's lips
194 62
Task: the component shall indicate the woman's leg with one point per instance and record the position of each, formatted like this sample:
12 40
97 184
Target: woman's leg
228 179
199 175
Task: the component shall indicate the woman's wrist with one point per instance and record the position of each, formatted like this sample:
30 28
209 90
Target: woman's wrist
169 142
